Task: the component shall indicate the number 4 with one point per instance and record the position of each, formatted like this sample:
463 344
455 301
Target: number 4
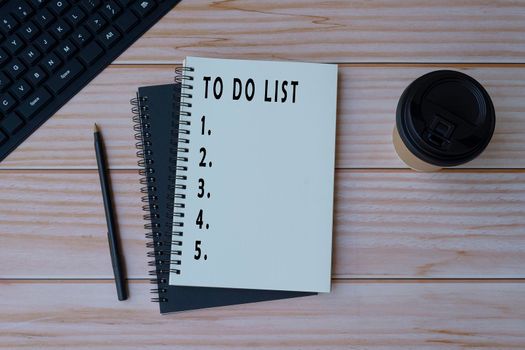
199 222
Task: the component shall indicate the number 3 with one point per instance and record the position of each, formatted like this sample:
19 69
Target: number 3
201 188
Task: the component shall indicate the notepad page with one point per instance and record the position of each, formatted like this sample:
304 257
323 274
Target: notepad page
258 206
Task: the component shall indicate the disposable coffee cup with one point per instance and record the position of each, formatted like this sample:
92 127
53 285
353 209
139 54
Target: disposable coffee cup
444 119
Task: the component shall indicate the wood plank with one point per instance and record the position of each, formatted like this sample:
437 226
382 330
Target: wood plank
338 31
55 226
387 224
361 315
407 224
368 97
368 100
66 140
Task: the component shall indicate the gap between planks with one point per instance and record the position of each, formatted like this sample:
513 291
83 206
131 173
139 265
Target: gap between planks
348 65
352 170
354 64
353 280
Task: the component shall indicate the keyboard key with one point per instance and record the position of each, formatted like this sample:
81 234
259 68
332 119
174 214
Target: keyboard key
4 82
44 18
14 44
64 76
36 76
3 137
22 10
38 3
11 124
90 5
60 29
91 53
30 55
7 24
142 8
51 63
20 89
96 23
15 68
29 31
110 10
3 57
66 50
81 37
58 46
45 42
7 102
126 21
58 6
109 37
75 16
124 3
34 103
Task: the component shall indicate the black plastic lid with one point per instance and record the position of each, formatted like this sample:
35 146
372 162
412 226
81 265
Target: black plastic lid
445 118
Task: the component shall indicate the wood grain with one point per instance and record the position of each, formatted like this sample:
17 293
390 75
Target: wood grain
367 98
387 224
338 31
55 225
407 224
356 315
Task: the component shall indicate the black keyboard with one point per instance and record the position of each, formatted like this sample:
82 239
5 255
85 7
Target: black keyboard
49 50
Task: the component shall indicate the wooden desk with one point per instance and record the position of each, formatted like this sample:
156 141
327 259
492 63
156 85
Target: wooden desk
420 260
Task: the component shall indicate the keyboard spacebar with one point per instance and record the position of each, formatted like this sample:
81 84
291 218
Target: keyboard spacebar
64 76
34 103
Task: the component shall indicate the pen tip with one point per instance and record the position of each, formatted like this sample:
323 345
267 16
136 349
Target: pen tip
95 127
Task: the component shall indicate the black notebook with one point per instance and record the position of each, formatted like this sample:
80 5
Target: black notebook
156 119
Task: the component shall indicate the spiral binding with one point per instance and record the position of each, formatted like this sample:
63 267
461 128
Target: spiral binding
161 252
179 160
155 242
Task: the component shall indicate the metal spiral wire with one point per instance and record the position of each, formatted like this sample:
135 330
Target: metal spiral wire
164 249
156 242
178 160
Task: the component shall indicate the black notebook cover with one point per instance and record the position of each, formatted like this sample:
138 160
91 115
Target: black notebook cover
156 119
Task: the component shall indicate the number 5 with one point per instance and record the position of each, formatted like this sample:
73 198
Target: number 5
197 255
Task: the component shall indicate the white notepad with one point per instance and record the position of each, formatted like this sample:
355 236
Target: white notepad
254 195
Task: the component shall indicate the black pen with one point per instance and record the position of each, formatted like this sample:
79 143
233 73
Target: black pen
114 246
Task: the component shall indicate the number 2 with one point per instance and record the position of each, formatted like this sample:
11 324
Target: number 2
202 162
